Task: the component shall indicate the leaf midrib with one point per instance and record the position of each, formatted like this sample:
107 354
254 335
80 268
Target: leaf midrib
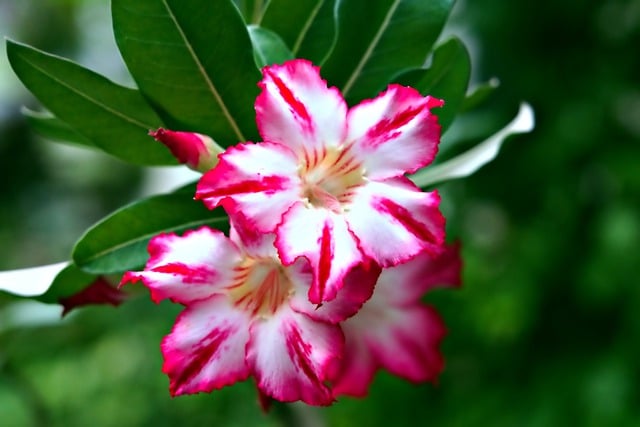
205 76
367 54
305 28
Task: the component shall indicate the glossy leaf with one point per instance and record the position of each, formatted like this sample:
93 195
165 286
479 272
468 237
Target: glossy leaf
447 78
119 242
470 161
395 35
268 47
49 126
115 118
308 27
193 60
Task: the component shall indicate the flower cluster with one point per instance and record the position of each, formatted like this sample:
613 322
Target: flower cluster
330 248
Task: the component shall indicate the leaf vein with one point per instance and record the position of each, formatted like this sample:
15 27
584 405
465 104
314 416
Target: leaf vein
201 69
367 54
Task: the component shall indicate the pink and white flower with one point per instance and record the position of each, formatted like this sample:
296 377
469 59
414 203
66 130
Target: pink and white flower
394 330
328 180
247 315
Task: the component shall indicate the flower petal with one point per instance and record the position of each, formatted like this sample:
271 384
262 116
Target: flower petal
409 344
206 348
261 180
357 369
187 268
405 284
293 355
358 288
322 237
394 221
252 241
395 133
403 340
297 108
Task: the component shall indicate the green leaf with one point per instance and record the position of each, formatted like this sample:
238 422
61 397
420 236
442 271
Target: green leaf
68 282
393 35
119 242
49 126
268 47
193 60
308 27
447 78
480 94
115 118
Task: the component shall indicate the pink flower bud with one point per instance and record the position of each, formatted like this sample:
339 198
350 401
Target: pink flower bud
198 152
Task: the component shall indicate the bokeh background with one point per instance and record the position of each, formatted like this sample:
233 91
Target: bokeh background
544 331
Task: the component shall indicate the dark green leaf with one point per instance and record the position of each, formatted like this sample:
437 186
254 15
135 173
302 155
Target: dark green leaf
49 126
115 118
268 47
447 78
394 35
308 27
119 241
67 282
193 60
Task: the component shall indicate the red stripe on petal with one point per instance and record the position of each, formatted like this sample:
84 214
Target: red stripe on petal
266 184
324 263
300 353
408 221
202 354
198 274
387 129
296 107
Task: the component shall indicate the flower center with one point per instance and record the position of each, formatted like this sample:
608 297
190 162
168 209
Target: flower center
260 286
330 178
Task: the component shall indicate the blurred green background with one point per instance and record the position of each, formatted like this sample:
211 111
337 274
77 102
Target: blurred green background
544 331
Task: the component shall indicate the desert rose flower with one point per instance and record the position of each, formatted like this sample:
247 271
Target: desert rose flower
328 180
394 330
246 315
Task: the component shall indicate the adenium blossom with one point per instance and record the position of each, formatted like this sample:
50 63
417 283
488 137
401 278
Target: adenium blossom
198 152
247 315
329 180
394 330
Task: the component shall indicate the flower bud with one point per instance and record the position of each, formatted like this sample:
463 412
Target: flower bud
198 152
